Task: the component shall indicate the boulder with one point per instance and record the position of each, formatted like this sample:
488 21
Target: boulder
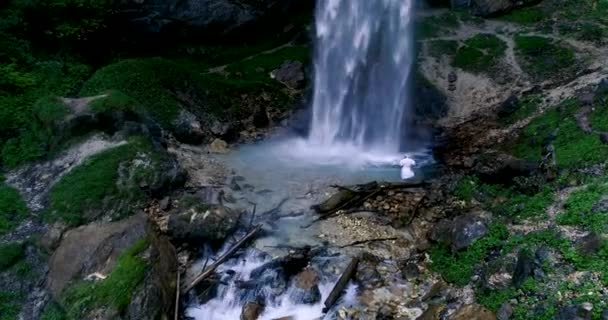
201 223
508 106
590 244
306 287
473 312
461 231
291 74
219 146
504 312
187 128
604 137
261 118
212 19
486 8
433 312
572 312
524 267
92 248
502 168
251 311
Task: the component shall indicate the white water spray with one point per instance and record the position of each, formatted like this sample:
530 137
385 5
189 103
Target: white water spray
363 60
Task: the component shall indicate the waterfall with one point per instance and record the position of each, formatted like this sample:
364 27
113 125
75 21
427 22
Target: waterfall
363 58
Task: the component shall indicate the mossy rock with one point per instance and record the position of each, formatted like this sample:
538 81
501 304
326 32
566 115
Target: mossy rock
480 53
544 58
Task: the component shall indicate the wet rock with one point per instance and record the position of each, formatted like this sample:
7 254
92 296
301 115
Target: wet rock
92 248
306 287
604 315
251 311
367 273
590 244
586 98
572 312
202 223
508 106
410 271
505 312
604 137
52 236
165 203
291 74
218 146
436 290
502 168
433 312
524 267
334 201
187 128
460 232
473 312
261 118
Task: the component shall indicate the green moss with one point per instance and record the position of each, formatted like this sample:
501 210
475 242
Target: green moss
543 57
258 67
10 253
148 81
493 299
115 291
113 100
466 188
480 53
578 209
53 311
529 15
526 107
10 305
573 147
437 25
93 186
440 48
12 208
459 267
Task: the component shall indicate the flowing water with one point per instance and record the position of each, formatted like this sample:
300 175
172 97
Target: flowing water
362 65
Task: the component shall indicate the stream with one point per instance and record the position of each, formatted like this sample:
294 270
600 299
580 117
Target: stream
280 178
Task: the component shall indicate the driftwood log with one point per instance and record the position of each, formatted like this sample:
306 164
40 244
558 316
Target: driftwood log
352 198
211 269
336 292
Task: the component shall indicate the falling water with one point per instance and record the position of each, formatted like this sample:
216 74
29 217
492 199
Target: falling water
362 64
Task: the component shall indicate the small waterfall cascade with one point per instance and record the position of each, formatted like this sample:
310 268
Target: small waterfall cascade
363 58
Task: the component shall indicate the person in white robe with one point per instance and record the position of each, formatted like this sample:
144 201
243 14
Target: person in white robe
406 167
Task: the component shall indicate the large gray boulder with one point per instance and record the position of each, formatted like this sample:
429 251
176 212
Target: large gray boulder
203 223
489 7
215 18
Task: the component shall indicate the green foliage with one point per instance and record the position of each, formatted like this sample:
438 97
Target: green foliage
116 290
573 147
12 208
53 311
579 208
493 299
10 305
10 253
92 186
480 53
148 81
526 106
543 57
113 100
257 67
436 25
459 267
466 188
440 48
529 15
597 262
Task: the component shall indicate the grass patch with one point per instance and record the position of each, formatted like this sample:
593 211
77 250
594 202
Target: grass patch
53 311
10 305
440 48
543 57
258 67
116 290
10 254
573 147
480 53
529 15
437 25
506 201
92 187
148 81
12 208
526 107
579 208
115 101
459 267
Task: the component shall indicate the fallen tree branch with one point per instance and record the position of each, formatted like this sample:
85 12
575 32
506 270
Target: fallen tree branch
368 241
336 292
209 271
177 294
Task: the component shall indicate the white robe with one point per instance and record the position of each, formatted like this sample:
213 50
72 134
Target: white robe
406 168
